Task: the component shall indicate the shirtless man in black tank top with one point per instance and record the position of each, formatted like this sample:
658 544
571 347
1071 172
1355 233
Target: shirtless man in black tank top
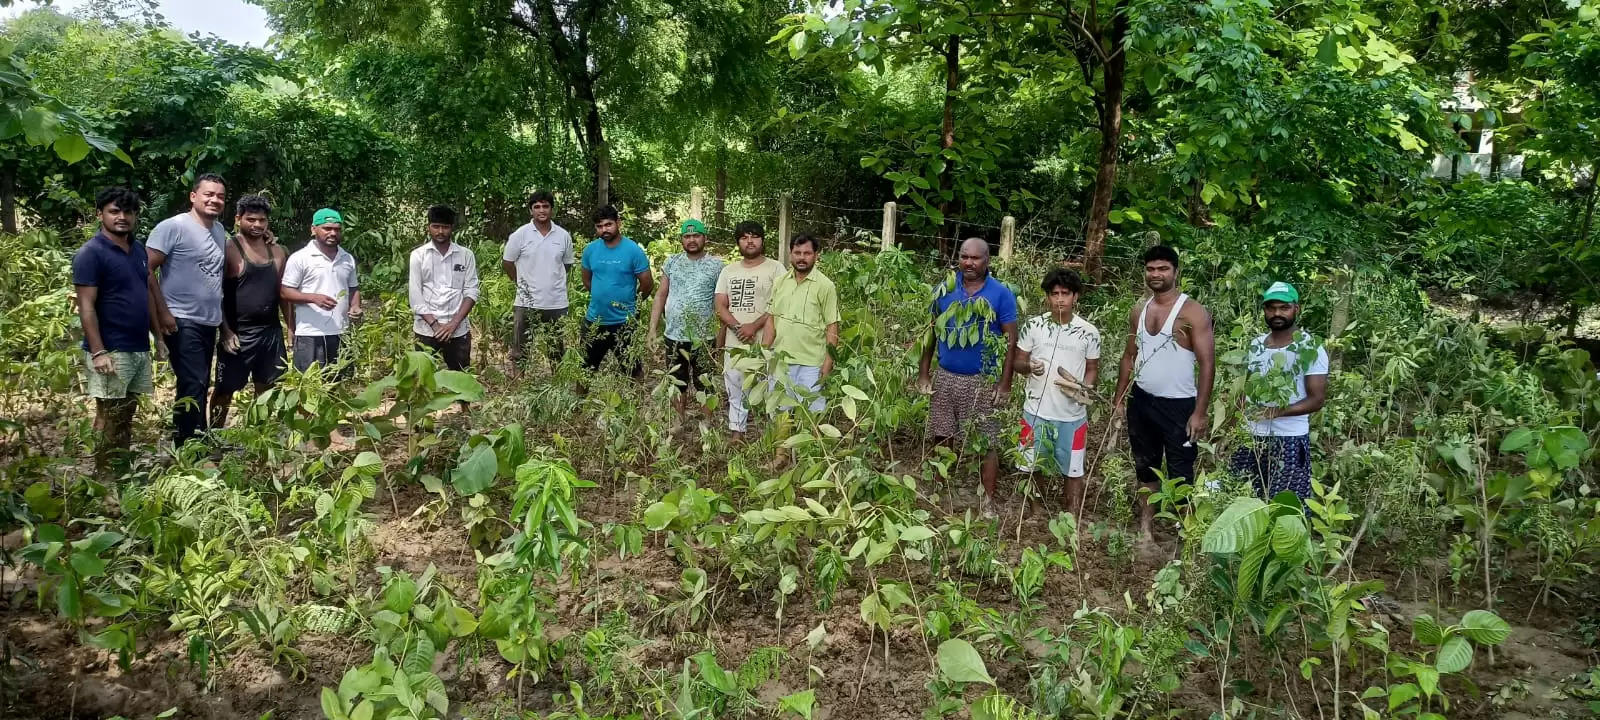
252 334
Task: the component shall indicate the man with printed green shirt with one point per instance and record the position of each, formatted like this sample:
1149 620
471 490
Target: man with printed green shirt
805 320
685 296
1287 381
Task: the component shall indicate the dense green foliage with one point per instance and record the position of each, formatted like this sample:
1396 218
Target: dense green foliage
552 554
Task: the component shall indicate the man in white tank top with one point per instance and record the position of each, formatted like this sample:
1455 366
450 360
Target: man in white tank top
1169 336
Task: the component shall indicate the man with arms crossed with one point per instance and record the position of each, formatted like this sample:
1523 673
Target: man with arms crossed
443 288
538 258
1168 336
320 282
805 320
972 378
253 315
688 289
186 254
616 273
1060 352
744 289
1279 456
111 275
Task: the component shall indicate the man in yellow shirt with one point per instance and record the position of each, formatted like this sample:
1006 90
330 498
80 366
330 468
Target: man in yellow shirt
805 320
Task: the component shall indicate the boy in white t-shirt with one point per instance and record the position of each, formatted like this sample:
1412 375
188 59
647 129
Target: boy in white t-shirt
1059 353
1288 380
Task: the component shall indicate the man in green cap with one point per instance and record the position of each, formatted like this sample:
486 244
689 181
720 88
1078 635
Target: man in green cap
1286 380
320 282
686 294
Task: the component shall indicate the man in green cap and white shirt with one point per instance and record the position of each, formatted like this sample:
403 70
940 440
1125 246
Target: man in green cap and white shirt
1286 380
320 282
685 296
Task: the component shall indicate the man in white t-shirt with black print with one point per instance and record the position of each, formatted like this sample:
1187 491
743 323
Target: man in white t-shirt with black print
538 258
1287 380
1059 354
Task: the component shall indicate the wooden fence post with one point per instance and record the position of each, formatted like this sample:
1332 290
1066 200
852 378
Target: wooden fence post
891 220
1008 238
697 202
1340 317
783 229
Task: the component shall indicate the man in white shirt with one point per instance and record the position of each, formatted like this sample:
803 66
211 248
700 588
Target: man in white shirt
538 258
1286 381
443 289
320 282
1059 353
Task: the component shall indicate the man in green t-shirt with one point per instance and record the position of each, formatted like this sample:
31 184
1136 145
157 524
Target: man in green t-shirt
805 321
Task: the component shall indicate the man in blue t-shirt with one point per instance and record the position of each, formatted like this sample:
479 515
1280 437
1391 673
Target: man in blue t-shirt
974 329
616 273
110 274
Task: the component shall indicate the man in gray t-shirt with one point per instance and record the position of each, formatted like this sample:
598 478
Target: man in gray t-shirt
186 255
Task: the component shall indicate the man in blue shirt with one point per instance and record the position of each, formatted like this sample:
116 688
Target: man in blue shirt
616 273
111 276
974 329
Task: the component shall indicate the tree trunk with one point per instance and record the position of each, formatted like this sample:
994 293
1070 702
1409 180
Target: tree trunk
8 198
720 213
1105 180
1588 210
947 140
1199 212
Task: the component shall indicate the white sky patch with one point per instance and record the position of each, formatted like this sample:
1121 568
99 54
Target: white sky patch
236 21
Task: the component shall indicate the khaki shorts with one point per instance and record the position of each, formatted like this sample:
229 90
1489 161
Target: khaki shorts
132 376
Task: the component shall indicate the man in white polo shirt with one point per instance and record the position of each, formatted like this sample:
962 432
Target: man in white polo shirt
538 258
320 282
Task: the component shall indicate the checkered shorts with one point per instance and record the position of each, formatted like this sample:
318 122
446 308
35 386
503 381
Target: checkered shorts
960 401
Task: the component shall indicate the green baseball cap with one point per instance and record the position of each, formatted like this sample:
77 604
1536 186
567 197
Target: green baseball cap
692 227
327 215
1282 292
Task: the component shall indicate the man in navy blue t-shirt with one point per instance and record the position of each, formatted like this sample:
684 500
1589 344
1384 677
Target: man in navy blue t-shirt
110 274
974 330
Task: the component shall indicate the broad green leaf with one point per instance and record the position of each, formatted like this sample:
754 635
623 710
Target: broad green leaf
916 533
332 709
1402 694
1289 537
1518 439
659 515
1565 446
1426 630
1427 678
1237 527
714 675
1485 628
1454 656
400 595
960 662
802 703
477 473
87 565
71 147
363 711
98 542
367 459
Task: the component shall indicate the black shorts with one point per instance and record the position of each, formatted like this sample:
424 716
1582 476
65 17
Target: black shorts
260 359
1158 436
688 359
457 351
602 341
